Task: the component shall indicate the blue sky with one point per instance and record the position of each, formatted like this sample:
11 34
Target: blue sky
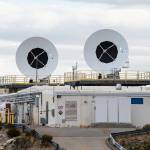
68 23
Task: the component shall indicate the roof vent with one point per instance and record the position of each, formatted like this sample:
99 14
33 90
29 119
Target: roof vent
118 87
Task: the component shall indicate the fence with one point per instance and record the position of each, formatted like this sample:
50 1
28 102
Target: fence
79 75
18 79
134 132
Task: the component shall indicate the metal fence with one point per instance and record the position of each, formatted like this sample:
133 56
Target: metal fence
20 79
134 132
91 75
79 75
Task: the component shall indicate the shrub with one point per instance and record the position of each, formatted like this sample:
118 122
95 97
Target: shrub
33 133
8 126
28 134
146 127
46 140
1 126
22 143
12 132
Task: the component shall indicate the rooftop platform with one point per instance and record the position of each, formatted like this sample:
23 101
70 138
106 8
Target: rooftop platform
80 78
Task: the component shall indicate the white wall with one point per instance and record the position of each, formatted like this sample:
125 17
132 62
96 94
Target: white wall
47 97
140 113
125 110
85 113
61 107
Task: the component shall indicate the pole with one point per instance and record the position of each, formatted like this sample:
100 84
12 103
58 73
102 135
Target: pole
36 73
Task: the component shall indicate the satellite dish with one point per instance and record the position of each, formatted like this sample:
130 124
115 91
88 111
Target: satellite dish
37 55
106 50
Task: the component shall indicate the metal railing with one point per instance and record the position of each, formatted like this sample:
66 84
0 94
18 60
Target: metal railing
20 79
91 75
79 75
113 136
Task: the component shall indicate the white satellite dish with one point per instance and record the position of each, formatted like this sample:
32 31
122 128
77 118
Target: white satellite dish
36 56
106 50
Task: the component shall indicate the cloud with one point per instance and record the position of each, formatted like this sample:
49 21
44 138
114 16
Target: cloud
68 24
117 2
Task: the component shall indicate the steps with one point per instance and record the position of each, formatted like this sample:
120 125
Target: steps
113 125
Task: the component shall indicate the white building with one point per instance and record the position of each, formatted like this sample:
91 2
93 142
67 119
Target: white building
64 107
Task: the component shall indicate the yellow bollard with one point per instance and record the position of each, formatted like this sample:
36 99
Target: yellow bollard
9 118
12 118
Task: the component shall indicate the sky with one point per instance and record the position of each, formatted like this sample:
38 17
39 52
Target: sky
68 23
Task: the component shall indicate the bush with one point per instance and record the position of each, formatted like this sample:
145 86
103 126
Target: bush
28 134
33 133
1 126
12 132
46 140
8 126
22 143
146 127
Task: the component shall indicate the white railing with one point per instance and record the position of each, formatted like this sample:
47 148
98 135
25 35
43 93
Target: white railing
91 75
18 79
79 75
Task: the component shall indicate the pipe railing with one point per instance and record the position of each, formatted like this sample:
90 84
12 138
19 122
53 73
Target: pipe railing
79 75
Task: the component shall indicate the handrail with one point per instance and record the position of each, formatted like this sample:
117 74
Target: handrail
79 75
134 132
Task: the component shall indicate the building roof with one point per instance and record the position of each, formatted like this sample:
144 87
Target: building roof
84 91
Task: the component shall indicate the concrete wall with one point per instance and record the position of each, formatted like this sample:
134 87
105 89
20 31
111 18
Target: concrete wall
47 98
82 117
96 109
140 113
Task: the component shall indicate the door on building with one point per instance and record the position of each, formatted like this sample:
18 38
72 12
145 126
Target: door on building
112 109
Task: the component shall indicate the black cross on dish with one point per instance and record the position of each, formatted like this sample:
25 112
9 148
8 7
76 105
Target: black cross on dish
37 58
106 52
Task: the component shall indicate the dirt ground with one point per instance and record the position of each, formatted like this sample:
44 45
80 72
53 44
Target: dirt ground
4 139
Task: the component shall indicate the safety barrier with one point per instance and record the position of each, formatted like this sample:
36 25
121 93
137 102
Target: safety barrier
117 145
134 132
91 75
19 79
78 75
